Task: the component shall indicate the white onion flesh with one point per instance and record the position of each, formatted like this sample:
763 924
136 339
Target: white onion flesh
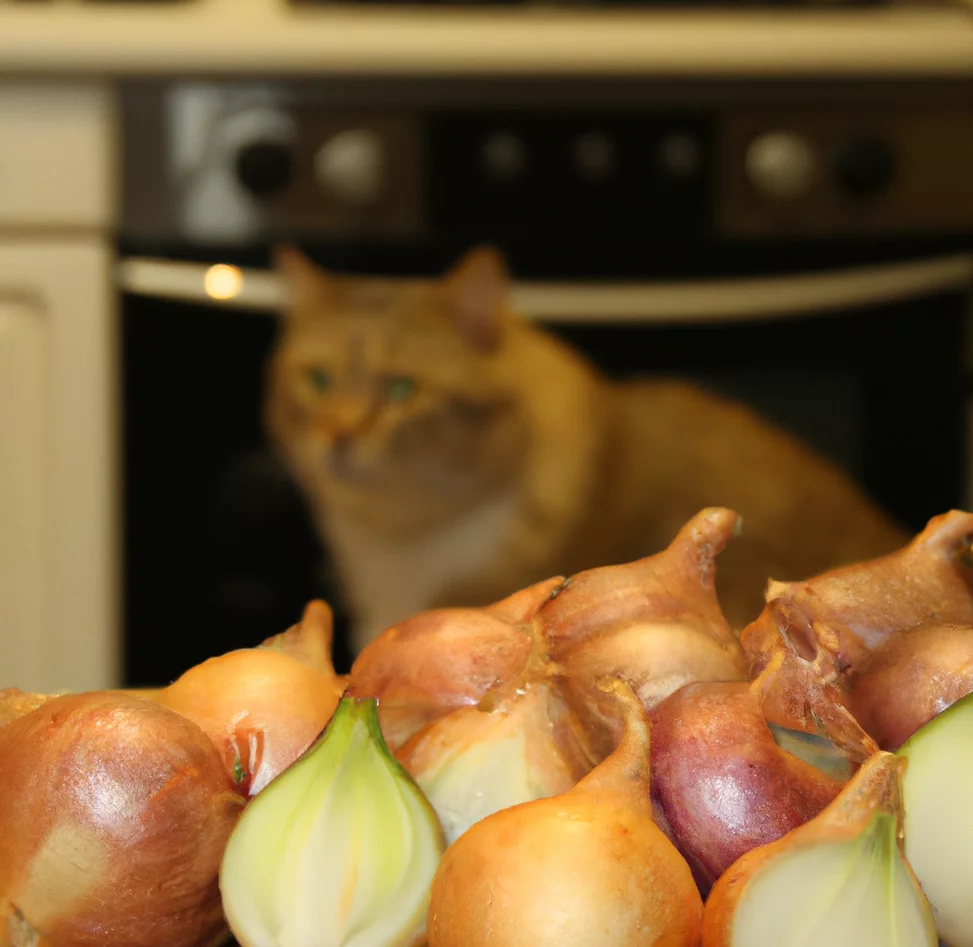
854 893
937 790
338 851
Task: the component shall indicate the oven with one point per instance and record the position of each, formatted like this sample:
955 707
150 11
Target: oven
806 247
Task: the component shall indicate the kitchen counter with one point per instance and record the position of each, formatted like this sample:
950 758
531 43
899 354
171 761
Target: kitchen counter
267 36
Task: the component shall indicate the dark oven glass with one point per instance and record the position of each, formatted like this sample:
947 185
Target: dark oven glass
218 549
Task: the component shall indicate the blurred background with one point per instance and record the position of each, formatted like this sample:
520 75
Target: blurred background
774 200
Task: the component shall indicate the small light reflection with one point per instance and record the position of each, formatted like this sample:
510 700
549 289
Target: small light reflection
223 281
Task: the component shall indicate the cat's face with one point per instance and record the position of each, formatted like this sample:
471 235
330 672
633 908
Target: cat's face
395 391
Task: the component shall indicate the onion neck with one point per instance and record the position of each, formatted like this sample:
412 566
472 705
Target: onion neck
625 771
875 789
793 695
537 669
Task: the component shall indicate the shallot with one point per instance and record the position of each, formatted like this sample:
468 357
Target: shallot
721 783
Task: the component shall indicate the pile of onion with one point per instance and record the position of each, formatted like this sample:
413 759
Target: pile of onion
491 707
597 755
494 710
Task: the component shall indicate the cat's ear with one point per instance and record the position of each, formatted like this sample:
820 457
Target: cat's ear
476 290
309 287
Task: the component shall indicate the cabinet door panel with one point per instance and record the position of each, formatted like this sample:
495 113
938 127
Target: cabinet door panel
25 492
58 498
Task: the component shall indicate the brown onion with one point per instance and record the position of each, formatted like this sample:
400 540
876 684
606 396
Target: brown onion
913 676
439 661
655 623
676 586
586 867
829 624
114 813
263 707
848 612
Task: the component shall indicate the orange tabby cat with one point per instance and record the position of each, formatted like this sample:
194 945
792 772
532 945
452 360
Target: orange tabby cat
453 453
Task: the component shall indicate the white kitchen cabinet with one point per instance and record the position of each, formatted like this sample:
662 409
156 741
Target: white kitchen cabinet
56 144
57 479
58 505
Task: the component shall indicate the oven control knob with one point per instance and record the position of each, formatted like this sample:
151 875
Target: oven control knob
594 156
781 165
680 156
264 167
504 156
864 166
350 167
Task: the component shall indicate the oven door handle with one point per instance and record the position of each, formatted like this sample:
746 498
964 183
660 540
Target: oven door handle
721 300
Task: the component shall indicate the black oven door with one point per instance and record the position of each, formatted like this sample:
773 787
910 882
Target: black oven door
867 364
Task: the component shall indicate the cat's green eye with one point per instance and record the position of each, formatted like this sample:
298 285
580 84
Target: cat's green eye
319 378
399 388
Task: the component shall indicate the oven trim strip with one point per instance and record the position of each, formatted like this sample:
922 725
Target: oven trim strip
750 299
